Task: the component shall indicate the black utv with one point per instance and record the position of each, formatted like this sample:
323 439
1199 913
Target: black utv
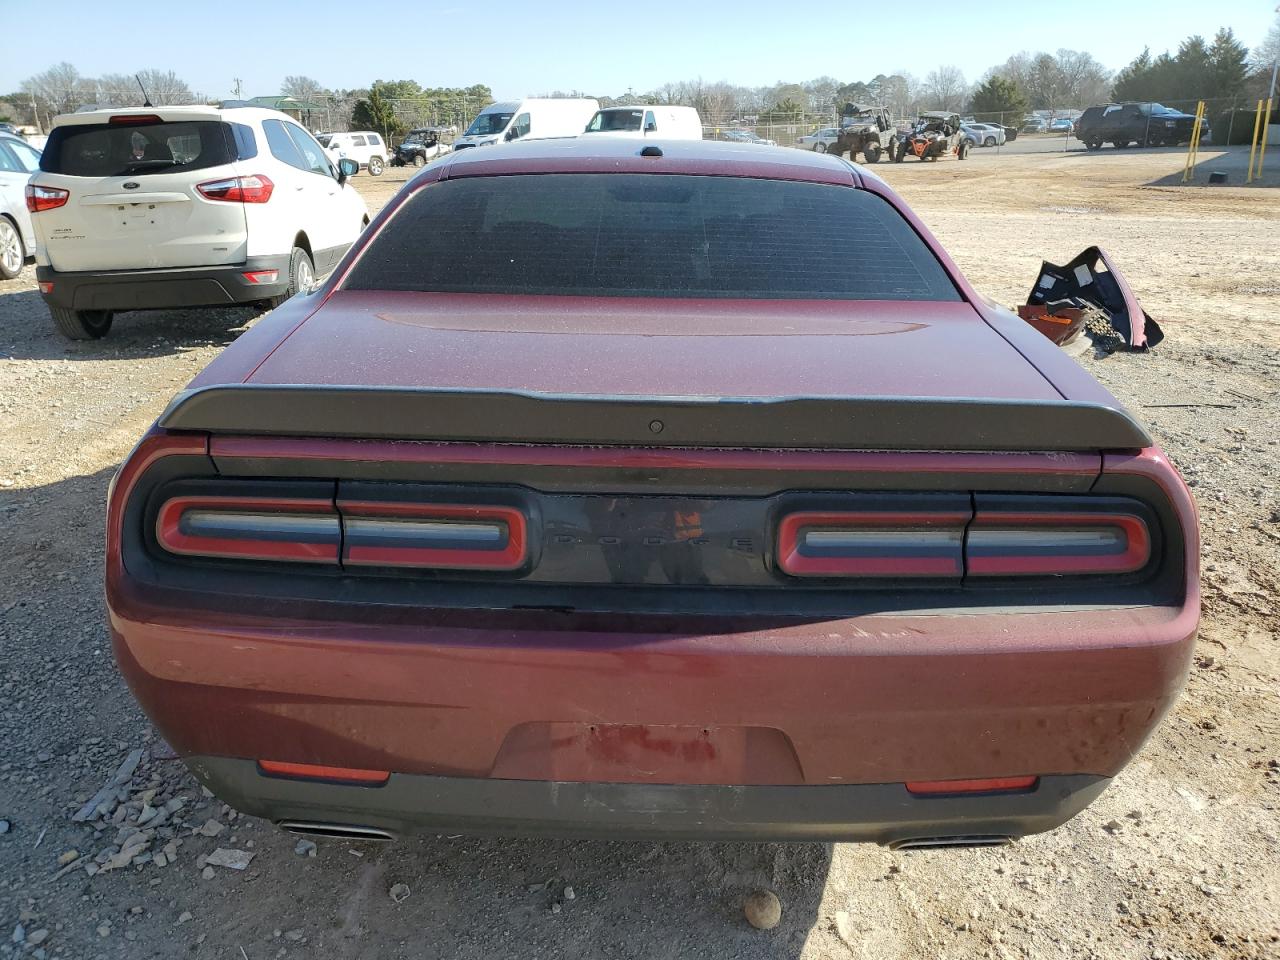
418 147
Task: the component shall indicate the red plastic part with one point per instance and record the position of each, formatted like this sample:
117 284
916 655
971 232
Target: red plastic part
311 771
1135 556
992 785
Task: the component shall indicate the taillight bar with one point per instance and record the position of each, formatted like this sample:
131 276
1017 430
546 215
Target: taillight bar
872 544
358 533
440 536
45 198
1003 544
251 528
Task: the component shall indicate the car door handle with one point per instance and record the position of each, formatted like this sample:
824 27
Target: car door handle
300 188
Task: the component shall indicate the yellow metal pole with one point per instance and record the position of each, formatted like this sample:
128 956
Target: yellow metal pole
1253 144
1193 145
1262 150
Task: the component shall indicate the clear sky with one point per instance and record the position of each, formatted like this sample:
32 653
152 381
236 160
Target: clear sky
523 48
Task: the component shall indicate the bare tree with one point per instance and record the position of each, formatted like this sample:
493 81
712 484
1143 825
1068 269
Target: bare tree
164 87
118 90
946 88
1083 79
301 88
60 89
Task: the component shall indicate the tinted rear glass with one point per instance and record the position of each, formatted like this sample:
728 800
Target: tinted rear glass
652 236
117 150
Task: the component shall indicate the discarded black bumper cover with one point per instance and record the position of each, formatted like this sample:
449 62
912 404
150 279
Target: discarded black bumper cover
1081 283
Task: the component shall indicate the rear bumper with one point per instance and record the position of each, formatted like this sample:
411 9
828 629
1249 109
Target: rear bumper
884 813
120 290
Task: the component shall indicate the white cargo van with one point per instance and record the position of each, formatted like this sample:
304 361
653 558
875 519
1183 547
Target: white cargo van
534 119
670 123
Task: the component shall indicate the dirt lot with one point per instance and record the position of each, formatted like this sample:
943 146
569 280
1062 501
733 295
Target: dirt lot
1177 860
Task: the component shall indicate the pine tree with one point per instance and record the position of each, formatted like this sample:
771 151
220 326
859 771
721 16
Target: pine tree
999 98
1228 69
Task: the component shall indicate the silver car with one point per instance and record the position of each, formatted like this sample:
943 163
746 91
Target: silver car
18 160
986 134
820 140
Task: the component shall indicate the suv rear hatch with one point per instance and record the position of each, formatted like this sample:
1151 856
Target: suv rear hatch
133 199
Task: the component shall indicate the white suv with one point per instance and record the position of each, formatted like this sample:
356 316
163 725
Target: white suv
153 207
363 146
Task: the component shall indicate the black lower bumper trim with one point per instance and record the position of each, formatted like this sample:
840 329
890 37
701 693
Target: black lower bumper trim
119 290
877 813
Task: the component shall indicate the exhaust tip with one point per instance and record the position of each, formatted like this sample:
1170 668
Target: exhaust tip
938 843
336 831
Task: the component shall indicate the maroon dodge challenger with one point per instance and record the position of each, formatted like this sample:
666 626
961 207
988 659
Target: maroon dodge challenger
666 490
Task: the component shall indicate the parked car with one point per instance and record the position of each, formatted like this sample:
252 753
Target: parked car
532 119
1146 124
747 136
987 134
18 160
9 128
579 501
152 207
363 146
642 121
1035 125
418 147
1062 125
820 140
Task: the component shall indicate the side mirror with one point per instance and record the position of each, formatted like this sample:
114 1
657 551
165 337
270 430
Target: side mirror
651 128
512 133
347 168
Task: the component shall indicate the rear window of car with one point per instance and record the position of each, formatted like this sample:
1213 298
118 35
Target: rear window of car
138 149
651 236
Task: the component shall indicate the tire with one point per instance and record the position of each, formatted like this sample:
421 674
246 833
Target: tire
375 166
962 151
898 155
819 147
1120 144
1093 145
12 252
419 160
989 142
81 324
302 274
871 152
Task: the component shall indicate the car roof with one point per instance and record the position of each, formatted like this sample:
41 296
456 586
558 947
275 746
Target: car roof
170 114
610 155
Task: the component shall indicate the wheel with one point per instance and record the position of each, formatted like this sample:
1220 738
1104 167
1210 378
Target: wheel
1093 145
302 275
898 155
989 142
419 159
375 166
872 152
819 147
12 253
81 324
962 151
1120 144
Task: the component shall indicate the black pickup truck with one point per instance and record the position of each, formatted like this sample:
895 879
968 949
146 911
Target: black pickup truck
1146 124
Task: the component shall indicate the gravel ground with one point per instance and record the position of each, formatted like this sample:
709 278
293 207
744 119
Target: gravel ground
1177 860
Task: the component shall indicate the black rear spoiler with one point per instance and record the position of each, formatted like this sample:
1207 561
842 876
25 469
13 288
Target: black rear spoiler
845 423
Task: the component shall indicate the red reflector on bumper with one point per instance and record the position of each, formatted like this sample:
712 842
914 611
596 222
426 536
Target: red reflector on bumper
261 276
310 771
995 785
46 286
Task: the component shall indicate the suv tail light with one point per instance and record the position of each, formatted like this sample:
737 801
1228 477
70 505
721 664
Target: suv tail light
125 119
256 188
45 198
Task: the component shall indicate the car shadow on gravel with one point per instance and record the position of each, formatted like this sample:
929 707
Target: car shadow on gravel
27 331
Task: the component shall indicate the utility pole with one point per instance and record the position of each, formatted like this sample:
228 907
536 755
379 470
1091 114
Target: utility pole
237 88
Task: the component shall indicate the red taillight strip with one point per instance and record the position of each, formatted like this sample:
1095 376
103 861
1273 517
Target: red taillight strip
872 544
251 528
993 785
1043 544
443 536
311 771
